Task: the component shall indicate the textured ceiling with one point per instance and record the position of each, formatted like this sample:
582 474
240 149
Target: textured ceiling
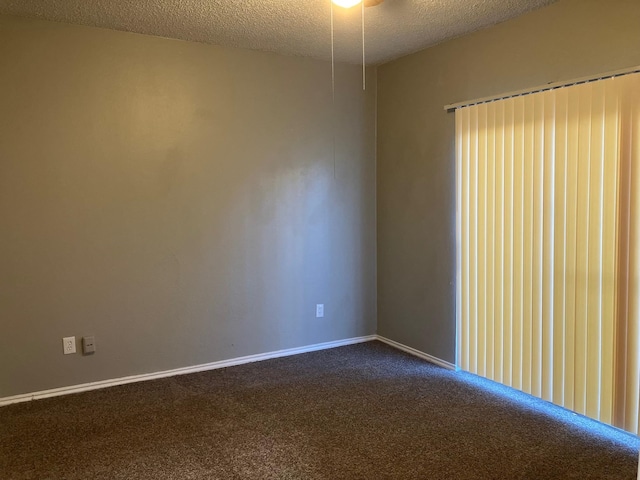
293 27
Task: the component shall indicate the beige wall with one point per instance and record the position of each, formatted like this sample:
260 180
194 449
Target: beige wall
178 201
415 187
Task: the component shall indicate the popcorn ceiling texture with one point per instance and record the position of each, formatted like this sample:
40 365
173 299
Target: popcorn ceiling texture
291 27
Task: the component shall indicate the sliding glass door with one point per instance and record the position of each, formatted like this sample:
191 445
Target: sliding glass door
548 215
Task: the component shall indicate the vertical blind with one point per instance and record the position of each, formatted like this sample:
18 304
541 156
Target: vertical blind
548 222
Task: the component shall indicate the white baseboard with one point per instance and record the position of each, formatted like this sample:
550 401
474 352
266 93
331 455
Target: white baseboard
85 387
417 353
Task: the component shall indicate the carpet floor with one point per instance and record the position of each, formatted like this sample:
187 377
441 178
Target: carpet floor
359 412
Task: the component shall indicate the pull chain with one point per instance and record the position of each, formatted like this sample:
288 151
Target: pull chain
364 69
333 92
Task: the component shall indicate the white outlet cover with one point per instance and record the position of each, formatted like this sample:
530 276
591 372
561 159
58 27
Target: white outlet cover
69 345
320 310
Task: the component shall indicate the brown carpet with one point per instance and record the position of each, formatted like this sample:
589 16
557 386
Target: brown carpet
359 412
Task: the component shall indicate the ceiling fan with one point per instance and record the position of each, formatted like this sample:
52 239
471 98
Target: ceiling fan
353 3
349 4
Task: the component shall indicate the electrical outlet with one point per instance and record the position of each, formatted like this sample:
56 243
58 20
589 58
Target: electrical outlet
320 310
69 345
88 345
